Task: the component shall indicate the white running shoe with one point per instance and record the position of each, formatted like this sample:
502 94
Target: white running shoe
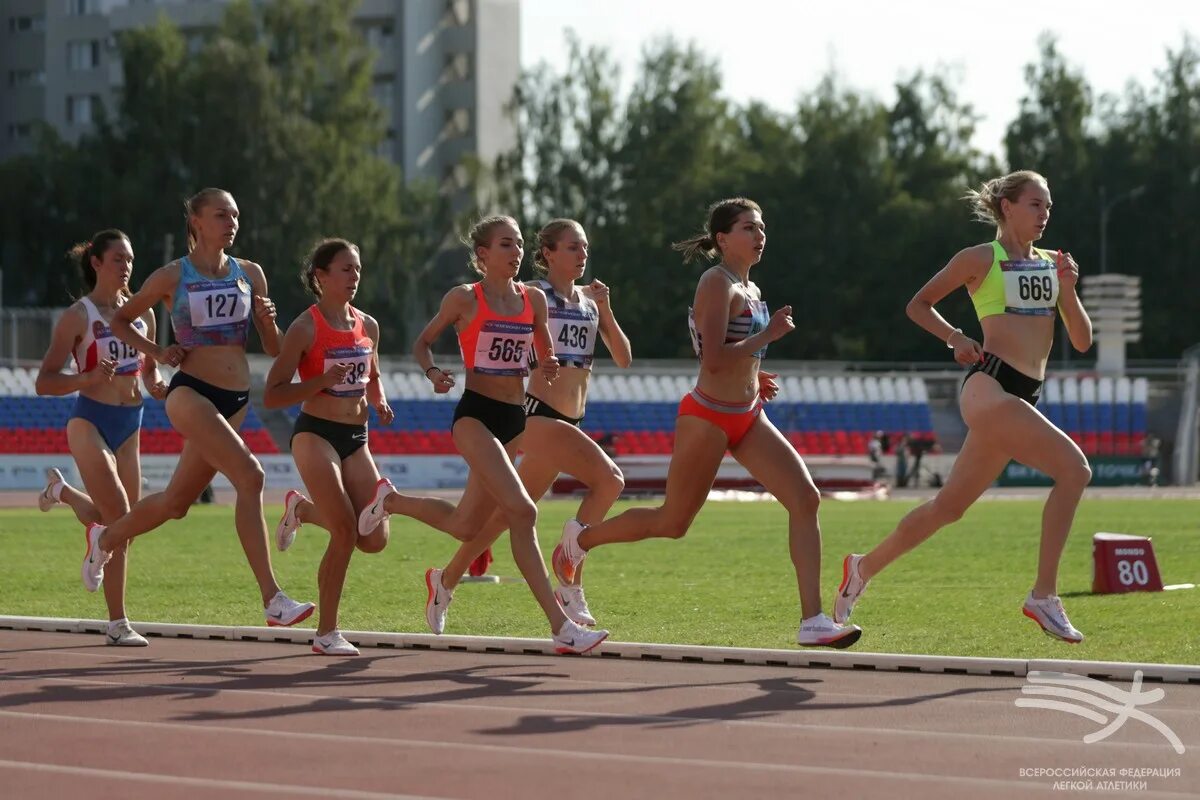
821 631
289 523
568 555
283 611
121 634
333 644
375 513
46 500
1049 613
437 602
574 605
851 588
94 559
573 639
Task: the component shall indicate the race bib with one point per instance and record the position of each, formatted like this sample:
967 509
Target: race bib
354 384
503 348
108 346
1030 287
574 335
214 304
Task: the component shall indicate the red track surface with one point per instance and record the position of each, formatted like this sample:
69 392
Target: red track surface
189 719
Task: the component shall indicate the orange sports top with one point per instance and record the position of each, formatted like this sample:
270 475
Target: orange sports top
331 346
496 345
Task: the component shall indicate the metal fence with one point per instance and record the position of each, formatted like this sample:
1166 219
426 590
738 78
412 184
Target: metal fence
25 333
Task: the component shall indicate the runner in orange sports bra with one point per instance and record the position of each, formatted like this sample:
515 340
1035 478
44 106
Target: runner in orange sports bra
335 348
500 322
730 331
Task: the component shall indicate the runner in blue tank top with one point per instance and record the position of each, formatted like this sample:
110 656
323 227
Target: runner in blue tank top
212 297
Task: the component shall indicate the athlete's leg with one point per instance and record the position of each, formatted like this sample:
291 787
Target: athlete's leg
100 470
977 466
320 469
1034 441
536 475
493 464
78 501
699 448
774 463
550 447
359 476
983 456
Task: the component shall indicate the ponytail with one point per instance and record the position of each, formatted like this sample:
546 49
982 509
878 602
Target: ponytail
721 217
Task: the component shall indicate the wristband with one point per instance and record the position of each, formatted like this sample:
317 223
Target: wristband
951 336
439 369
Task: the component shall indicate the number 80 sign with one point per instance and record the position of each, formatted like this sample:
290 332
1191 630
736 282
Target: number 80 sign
1123 563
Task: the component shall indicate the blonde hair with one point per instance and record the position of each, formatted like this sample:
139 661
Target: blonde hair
721 218
480 235
547 239
985 201
194 205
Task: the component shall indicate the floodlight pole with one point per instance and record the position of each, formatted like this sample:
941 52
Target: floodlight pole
1105 211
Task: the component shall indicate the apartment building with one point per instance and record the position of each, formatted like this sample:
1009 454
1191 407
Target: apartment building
443 71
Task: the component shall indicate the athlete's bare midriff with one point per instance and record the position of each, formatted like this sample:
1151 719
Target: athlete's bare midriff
567 395
346 410
122 390
1023 342
224 366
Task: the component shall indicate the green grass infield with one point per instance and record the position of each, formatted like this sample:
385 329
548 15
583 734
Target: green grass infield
728 582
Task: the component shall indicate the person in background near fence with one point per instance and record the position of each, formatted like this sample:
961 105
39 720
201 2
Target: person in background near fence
212 297
731 328
1015 288
105 423
553 441
335 347
499 322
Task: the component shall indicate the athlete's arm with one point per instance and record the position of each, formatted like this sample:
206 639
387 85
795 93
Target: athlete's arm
967 268
263 309
375 395
714 295
1075 317
547 361
151 378
614 338
456 305
158 287
51 380
280 391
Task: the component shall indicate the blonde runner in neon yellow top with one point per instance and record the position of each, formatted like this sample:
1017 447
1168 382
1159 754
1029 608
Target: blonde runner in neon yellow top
1027 287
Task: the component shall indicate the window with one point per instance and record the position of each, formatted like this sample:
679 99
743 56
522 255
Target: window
80 8
379 34
83 55
384 93
19 130
26 77
81 108
31 24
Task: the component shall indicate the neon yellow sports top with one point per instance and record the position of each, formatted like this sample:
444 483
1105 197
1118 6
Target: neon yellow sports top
1029 288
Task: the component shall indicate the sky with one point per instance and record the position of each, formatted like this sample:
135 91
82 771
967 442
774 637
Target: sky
776 50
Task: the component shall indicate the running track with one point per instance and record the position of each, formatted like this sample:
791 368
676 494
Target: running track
247 719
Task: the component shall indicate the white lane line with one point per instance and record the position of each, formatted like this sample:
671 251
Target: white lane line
657 761
206 783
605 715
